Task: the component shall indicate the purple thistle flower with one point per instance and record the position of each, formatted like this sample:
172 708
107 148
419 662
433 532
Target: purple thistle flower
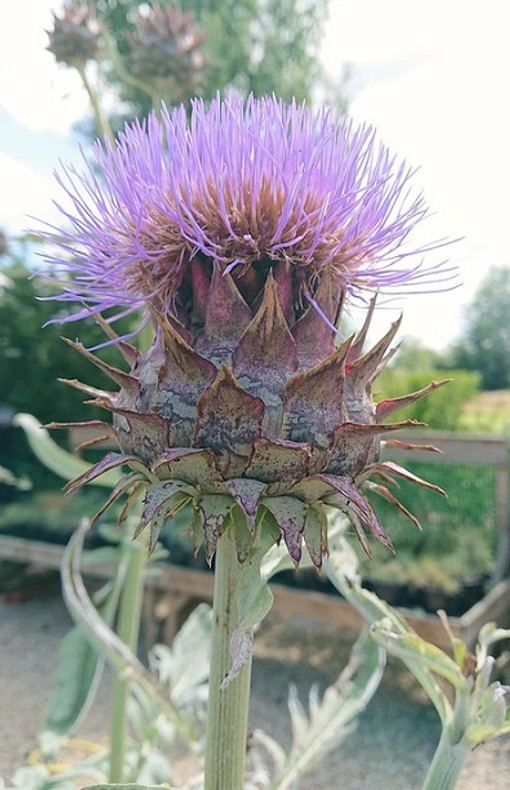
245 185
242 230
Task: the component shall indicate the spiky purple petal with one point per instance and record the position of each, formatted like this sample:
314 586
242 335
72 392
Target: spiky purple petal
239 185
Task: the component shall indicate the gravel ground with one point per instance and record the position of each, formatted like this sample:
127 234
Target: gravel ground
391 747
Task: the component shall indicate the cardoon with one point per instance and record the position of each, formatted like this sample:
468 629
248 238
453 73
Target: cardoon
241 232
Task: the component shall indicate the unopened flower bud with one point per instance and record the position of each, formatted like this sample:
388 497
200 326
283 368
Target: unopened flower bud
165 49
76 35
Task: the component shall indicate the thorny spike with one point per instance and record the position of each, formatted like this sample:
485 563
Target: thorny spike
193 466
291 515
200 284
96 393
146 434
158 498
279 461
352 444
386 469
386 407
124 484
183 377
409 446
226 315
266 352
314 337
187 361
129 352
361 336
386 360
86 444
315 534
365 368
110 461
122 379
385 492
354 504
247 493
66 425
228 418
283 279
313 399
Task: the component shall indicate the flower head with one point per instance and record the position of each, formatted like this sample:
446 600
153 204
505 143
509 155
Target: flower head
165 50
244 186
242 230
76 35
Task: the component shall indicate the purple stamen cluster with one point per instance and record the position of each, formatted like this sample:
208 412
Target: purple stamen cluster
241 184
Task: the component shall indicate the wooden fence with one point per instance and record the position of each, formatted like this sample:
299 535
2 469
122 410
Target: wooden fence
470 450
170 589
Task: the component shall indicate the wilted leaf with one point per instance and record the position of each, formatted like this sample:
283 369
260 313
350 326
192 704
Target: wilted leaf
79 672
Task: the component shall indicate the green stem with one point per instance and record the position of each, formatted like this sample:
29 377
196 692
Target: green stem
227 715
122 72
123 660
102 125
447 764
127 629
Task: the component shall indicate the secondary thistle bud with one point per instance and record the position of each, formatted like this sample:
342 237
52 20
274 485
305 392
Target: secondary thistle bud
76 35
165 50
242 232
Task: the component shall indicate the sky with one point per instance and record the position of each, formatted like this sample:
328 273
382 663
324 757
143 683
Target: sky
432 77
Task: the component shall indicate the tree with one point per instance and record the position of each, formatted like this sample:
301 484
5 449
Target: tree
486 344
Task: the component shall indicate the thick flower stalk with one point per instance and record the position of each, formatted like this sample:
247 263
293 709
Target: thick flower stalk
242 232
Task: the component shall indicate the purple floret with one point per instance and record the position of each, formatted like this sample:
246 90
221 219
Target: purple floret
242 183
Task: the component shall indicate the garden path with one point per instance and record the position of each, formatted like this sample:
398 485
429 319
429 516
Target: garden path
390 749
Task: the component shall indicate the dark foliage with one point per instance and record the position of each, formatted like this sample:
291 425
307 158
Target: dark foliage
32 359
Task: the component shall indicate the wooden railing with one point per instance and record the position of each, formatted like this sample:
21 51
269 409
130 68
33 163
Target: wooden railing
170 589
470 450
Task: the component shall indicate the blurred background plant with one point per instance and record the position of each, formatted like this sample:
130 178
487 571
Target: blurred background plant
132 55
167 701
